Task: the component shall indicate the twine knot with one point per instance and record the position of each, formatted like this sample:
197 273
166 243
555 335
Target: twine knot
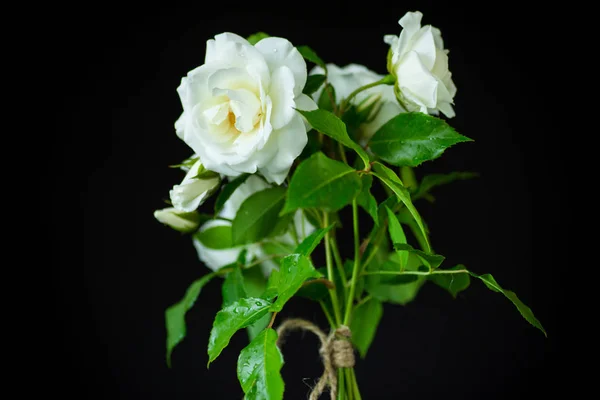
336 352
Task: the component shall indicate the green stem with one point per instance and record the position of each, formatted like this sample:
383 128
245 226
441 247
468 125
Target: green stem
349 382
357 395
327 314
341 385
332 293
339 264
356 263
387 80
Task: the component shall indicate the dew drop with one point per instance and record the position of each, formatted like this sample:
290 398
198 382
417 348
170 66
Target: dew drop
274 50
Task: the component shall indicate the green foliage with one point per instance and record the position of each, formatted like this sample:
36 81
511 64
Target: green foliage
257 37
259 366
431 261
394 289
310 55
430 181
327 98
232 318
525 311
258 216
366 200
175 315
365 320
295 269
397 236
412 138
312 241
228 190
216 237
330 125
453 283
389 178
313 83
320 182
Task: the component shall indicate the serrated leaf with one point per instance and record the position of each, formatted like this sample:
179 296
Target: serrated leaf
228 190
310 55
313 83
217 237
433 180
430 260
259 366
525 311
175 315
254 285
366 200
365 320
257 37
397 236
232 318
258 216
294 270
320 182
391 180
453 283
412 138
387 288
312 241
233 288
327 99
327 123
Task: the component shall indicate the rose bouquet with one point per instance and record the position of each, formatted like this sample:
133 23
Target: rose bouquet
287 154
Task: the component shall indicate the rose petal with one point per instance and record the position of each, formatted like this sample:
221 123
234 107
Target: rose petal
410 23
282 96
423 43
415 77
279 52
289 143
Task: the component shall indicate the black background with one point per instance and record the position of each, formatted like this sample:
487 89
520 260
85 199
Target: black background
117 269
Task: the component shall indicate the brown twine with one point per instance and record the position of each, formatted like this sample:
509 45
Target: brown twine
336 352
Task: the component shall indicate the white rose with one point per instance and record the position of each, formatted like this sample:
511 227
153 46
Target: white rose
349 78
193 190
185 222
420 63
238 108
217 258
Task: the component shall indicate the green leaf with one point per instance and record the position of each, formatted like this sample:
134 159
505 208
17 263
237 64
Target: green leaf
327 123
366 200
217 237
412 138
388 289
233 288
257 37
258 215
327 98
430 260
228 190
365 319
433 180
391 180
175 315
232 318
397 236
320 182
259 366
453 283
255 284
525 311
313 83
312 241
294 270
310 55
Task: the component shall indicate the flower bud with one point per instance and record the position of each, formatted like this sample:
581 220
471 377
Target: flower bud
195 188
185 222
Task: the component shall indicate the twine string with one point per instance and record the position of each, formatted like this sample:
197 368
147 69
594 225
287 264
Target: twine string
336 352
